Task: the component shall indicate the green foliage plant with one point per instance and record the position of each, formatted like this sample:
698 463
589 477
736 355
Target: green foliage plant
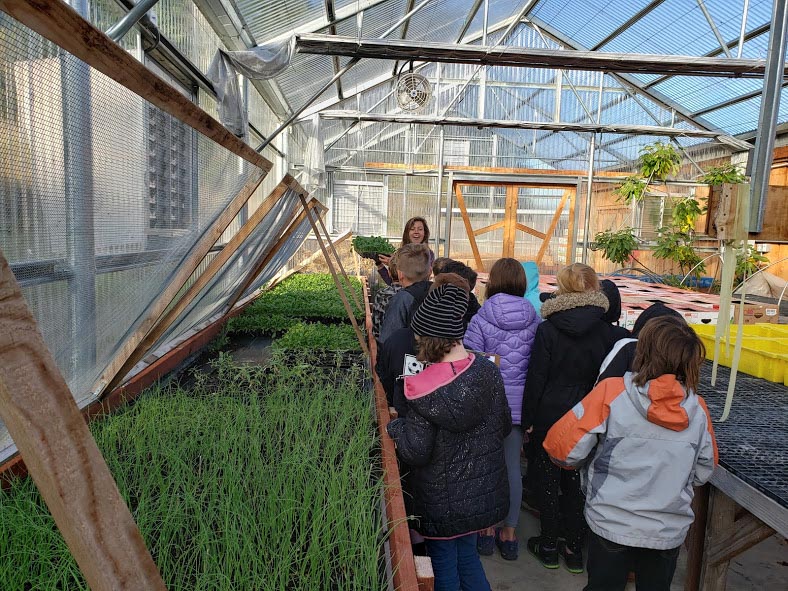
748 261
305 295
675 245
618 246
632 189
264 480
316 336
659 160
685 212
375 244
727 173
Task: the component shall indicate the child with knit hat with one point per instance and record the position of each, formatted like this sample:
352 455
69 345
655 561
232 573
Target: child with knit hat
452 439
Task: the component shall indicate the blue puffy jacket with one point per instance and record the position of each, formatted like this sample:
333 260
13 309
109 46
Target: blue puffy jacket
506 325
532 291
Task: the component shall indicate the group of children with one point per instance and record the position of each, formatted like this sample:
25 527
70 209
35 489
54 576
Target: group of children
614 433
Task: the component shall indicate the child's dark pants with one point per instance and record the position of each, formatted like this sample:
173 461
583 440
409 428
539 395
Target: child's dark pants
610 563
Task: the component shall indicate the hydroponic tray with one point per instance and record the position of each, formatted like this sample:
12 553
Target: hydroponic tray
753 442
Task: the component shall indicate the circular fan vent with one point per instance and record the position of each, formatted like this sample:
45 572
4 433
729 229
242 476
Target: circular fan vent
413 91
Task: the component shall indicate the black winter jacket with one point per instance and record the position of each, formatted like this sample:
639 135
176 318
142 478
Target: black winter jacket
569 347
390 366
402 307
452 440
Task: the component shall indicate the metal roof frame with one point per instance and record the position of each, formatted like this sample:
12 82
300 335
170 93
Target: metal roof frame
628 23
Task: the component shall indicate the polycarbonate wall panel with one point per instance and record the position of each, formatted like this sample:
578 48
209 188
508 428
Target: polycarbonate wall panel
101 191
269 19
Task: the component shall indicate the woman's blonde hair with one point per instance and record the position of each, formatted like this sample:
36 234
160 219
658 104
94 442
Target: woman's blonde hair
577 278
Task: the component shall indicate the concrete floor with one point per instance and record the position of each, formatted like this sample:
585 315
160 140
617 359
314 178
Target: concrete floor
764 567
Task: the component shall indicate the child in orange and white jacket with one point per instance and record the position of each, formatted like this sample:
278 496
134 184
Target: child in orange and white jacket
643 442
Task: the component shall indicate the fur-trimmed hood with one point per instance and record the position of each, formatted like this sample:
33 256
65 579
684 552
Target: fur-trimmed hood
575 313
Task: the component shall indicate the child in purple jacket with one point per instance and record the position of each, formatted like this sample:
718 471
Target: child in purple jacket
506 325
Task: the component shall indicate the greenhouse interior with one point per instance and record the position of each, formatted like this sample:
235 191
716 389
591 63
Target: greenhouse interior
199 199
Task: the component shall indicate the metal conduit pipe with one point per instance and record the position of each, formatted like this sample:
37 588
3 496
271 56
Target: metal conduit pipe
767 120
132 17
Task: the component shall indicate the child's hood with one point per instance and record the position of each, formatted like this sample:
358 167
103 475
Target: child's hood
453 401
662 401
508 312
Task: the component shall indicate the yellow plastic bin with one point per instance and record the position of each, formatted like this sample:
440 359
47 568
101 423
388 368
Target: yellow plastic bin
764 352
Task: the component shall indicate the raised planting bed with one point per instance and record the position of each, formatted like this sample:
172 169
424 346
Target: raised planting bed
317 336
253 478
302 296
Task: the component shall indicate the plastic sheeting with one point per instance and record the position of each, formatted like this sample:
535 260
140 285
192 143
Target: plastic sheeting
259 63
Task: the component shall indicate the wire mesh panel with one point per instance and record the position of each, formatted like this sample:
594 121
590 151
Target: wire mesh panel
102 196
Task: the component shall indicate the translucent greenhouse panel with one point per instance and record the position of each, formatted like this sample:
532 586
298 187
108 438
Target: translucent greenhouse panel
103 196
214 298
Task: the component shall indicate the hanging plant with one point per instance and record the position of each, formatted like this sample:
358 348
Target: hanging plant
616 247
727 173
632 189
659 160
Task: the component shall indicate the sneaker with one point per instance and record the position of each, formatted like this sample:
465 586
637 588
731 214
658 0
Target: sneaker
546 555
485 545
573 561
509 549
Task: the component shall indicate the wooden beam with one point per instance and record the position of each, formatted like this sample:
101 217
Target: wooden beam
721 517
269 254
558 126
339 262
337 282
531 231
510 220
48 429
468 229
553 223
402 560
741 536
57 21
489 228
499 170
696 538
453 53
174 311
110 375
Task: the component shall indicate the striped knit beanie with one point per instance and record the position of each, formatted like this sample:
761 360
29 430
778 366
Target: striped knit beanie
441 313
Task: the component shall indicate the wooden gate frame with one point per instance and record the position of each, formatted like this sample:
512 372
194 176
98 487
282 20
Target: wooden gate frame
509 223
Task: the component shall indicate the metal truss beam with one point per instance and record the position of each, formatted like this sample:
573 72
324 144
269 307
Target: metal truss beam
328 5
527 57
408 8
631 21
733 101
537 125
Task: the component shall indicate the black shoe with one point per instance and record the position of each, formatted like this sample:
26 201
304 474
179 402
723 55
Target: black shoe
573 561
485 545
547 555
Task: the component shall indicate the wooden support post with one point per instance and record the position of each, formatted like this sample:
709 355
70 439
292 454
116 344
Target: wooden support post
468 229
570 233
722 511
489 228
61 455
402 559
339 262
57 21
171 290
173 312
510 220
745 532
264 259
696 538
553 223
337 281
531 231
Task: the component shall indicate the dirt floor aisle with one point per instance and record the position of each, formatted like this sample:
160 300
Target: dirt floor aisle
763 567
